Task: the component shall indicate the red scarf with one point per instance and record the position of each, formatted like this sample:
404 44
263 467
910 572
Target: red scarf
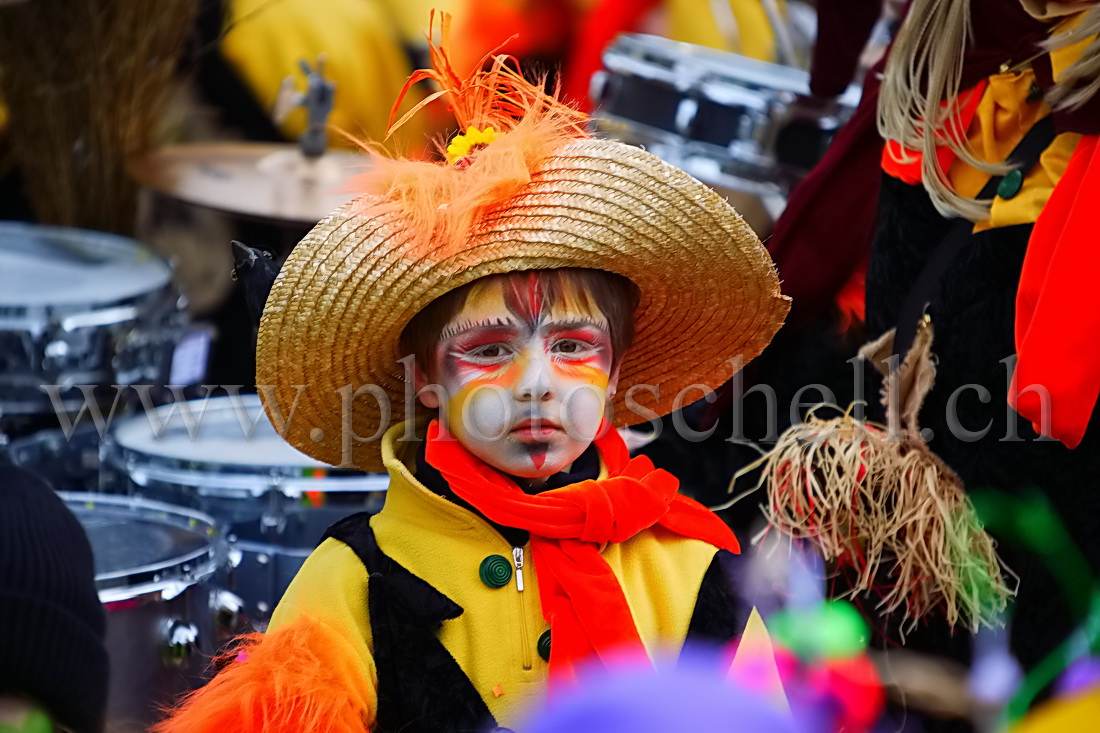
581 597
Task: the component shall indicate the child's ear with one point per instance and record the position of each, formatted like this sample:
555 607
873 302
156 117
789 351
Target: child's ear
427 397
613 382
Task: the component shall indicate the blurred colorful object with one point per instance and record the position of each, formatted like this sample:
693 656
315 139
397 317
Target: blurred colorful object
823 664
754 667
1080 712
828 631
689 696
741 27
1080 675
820 646
995 674
1030 521
766 687
1082 642
574 33
848 692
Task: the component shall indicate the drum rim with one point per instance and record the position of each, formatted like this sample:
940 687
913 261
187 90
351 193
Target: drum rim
11 314
712 62
194 566
252 478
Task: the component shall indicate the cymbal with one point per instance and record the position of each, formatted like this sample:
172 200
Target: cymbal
267 181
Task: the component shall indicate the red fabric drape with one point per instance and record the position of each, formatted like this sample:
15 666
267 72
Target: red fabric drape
1057 316
581 597
595 30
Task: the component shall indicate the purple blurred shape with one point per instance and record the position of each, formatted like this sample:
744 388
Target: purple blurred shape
1080 675
686 697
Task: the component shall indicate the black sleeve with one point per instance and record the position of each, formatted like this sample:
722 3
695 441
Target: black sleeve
720 611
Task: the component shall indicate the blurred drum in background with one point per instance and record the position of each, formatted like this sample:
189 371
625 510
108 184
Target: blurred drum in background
735 123
83 309
155 567
69 461
223 457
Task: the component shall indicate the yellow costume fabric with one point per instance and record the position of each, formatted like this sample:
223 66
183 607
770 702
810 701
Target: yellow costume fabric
1079 712
692 21
495 639
363 42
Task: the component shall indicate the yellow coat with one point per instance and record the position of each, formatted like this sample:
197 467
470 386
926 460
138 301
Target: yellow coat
494 639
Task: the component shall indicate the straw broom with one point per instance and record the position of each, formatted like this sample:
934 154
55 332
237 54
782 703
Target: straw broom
86 82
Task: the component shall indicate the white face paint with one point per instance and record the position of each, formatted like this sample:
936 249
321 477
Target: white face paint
524 384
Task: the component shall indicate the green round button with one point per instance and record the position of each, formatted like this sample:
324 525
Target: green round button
1011 184
544 646
495 571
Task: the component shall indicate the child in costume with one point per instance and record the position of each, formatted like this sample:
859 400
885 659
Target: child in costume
539 280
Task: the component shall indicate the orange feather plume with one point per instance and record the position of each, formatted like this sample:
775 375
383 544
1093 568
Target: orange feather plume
440 201
302 677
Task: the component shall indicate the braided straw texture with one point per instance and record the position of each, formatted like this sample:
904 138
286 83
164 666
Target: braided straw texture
333 320
875 499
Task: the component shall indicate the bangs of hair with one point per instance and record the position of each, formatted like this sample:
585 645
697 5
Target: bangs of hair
614 295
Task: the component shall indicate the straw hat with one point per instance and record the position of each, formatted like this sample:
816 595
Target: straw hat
331 326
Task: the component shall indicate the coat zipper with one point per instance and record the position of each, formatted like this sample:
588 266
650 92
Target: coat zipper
525 641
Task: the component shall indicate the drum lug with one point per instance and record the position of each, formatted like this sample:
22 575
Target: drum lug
597 86
233 556
179 640
686 112
228 610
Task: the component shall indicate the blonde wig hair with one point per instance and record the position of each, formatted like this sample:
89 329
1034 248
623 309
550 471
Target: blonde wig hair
924 70
1081 79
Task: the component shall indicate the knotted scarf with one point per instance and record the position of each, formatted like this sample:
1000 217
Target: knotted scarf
581 597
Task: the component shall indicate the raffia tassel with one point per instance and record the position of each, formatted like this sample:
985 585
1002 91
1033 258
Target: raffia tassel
886 507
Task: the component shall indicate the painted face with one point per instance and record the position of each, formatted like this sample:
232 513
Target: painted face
525 382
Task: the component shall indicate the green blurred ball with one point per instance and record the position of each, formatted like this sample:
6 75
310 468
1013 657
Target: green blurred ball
830 630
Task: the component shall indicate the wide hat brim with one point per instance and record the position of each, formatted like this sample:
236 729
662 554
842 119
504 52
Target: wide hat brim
328 357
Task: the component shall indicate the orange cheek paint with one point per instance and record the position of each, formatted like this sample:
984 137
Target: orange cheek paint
503 377
581 372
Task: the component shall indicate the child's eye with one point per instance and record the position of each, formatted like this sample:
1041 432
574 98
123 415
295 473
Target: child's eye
570 347
489 353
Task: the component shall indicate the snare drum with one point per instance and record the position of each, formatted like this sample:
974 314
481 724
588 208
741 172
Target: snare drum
80 307
729 120
227 460
154 565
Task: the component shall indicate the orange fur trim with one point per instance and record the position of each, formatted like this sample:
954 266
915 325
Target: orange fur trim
302 677
440 201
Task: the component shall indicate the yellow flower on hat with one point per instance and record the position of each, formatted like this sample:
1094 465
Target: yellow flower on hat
463 145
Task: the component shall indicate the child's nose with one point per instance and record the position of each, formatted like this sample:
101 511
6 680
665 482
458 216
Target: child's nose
535 384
